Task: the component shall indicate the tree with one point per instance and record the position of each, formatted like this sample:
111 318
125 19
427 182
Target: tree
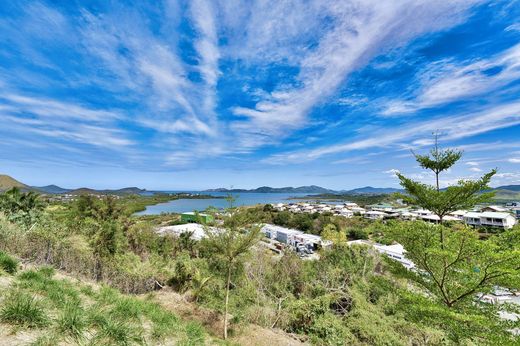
21 207
330 232
230 245
460 266
452 263
442 202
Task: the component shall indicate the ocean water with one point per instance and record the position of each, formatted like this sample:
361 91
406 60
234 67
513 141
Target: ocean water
242 199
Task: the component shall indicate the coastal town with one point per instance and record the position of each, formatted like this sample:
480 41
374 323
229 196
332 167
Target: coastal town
503 217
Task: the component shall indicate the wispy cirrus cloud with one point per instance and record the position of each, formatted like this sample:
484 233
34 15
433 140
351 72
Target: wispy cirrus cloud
452 128
448 81
359 31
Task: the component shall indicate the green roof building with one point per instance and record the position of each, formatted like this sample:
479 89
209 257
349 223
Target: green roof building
192 217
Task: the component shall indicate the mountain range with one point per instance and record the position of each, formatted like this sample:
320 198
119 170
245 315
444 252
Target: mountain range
7 182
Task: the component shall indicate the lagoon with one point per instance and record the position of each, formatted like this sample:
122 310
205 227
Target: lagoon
242 199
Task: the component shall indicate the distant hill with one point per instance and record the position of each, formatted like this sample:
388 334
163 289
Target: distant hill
7 182
369 190
508 187
268 189
51 189
124 191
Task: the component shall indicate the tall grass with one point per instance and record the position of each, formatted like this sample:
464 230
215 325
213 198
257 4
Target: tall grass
113 331
21 308
57 292
71 321
7 263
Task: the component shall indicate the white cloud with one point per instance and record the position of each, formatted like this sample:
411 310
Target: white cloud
392 172
452 128
475 169
206 45
472 163
446 81
359 31
514 160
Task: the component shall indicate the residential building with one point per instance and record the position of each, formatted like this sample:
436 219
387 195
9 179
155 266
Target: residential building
381 207
494 208
490 219
374 215
196 217
395 251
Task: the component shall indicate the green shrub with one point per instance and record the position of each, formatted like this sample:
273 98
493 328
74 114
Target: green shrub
58 292
71 321
194 334
112 331
7 263
20 308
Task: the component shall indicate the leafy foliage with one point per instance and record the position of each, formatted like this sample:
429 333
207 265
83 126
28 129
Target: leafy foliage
7 263
442 202
462 265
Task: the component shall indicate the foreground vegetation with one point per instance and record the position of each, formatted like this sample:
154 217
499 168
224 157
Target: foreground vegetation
62 311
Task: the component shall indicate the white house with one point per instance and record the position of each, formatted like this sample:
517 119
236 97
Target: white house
346 212
374 215
358 210
435 219
395 251
459 214
490 218
494 208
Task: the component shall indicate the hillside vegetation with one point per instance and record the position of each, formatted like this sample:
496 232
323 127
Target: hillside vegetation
6 183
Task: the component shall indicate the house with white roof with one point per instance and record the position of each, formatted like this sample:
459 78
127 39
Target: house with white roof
459 214
490 219
358 210
374 215
346 212
350 205
435 219
394 251
197 230
494 208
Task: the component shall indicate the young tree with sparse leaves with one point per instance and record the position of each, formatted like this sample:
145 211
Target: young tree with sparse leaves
229 245
441 202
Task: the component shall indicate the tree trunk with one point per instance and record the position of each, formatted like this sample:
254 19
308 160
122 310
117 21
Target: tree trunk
228 281
442 232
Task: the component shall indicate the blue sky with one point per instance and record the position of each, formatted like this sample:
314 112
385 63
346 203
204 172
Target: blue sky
200 94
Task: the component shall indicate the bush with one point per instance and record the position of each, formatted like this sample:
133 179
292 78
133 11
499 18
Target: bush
22 309
72 321
7 263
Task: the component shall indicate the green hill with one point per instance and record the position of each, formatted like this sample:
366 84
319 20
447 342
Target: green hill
7 182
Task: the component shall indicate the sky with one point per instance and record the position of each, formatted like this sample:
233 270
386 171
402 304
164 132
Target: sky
207 93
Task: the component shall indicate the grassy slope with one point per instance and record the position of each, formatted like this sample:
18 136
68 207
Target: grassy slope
42 307
38 307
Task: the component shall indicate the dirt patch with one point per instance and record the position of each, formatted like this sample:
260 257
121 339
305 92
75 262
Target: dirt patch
251 335
12 337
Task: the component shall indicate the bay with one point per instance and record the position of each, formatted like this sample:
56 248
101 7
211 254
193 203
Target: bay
242 199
